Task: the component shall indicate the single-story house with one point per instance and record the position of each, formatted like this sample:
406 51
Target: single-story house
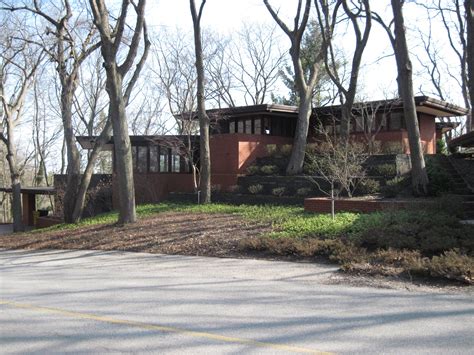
240 135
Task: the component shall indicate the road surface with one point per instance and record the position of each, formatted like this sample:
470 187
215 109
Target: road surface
92 301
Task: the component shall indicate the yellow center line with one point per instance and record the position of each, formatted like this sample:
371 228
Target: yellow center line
163 328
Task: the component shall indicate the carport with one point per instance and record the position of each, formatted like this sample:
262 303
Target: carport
28 200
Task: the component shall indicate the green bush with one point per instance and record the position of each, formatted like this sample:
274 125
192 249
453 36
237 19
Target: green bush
421 230
368 187
279 191
385 170
303 191
393 187
441 147
272 149
253 170
269 170
255 189
285 150
439 179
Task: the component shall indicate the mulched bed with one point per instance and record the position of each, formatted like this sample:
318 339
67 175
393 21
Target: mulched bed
167 233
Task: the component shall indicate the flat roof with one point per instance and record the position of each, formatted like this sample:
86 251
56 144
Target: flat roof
37 190
424 104
87 142
465 140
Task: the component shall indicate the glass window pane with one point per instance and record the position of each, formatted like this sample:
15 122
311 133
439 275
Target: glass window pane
248 126
395 121
154 159
164 166
231 126
240 126
258 126
359 124
142 159
186 165
175 162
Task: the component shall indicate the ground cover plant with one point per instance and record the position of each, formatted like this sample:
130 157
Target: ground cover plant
423 242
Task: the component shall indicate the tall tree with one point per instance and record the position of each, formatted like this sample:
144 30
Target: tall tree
453 17
469 11
18 65
355 11
69 40
112 39
405 89
303 85
323 90
205 153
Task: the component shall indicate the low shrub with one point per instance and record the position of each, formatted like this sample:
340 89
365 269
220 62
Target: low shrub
452 265
393 187
285 150
269 169
271 149
253 170
392 147
279 191
385 170
441 147
421 230
303 191
439 179
368 187
255 189
234 189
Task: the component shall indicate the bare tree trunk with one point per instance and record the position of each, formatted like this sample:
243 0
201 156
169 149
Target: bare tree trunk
73 157
205 153
15 180
119 98
405 88
304 86
295 164
469 8
87 175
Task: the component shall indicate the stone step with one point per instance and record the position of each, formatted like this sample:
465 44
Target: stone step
468 205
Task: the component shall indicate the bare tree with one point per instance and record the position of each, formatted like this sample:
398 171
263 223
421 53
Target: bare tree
304 85
204 122
69 42
454 19
256 60
405 88
355 12
469 11
19 63
173 66
112 39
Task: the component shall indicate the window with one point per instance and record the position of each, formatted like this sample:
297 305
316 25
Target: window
248 126
395 121
175 162
164 162
240 126
142 163
154 162
382 122
258 126
359 124
232 126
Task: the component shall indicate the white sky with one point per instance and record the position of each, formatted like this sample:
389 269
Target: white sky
378 77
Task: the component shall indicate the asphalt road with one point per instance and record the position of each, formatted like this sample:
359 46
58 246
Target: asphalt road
88 301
